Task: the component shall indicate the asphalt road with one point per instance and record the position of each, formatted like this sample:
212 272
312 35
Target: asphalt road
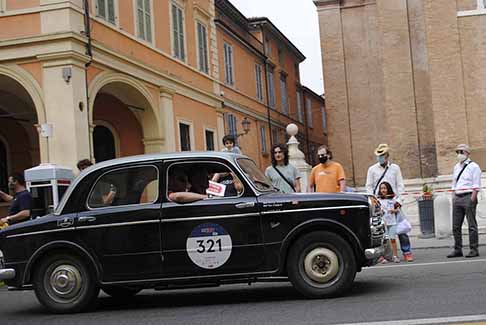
432 290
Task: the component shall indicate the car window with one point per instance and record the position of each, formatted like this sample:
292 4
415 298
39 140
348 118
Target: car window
125 186
255 175
210 180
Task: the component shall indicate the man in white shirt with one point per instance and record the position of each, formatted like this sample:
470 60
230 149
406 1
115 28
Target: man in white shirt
466 183
385 171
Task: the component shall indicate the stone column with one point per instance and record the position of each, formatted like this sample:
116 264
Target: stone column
153 145
446 80
398 86
297 157
166 114
66 108
336 84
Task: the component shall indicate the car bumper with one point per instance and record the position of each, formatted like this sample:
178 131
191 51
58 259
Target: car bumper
374 253
7 274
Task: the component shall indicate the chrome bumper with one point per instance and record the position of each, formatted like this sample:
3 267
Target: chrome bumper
374 253
7 274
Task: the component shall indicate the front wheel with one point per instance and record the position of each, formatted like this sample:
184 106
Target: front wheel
63 283
321 264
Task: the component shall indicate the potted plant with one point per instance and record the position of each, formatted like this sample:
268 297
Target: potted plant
426 212
427 192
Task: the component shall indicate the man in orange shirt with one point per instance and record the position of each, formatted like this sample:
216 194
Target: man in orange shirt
328 176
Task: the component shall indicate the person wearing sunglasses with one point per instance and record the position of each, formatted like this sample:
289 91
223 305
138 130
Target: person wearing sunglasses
327 176
283 175
466 183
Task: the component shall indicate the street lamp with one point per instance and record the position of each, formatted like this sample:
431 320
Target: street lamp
246 127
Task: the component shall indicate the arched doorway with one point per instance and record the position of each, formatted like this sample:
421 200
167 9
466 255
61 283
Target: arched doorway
123 116
19 147
4 168
104 144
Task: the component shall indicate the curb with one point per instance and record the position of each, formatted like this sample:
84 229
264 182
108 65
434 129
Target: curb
414 248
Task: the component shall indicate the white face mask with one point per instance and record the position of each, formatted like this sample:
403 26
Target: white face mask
461 157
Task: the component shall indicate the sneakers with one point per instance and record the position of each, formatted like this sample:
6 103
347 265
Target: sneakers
472 254
396 259
408 257
382 260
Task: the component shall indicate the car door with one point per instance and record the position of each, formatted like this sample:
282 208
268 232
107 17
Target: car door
219 235
121 224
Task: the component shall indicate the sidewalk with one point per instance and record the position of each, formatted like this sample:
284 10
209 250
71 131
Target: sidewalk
423 243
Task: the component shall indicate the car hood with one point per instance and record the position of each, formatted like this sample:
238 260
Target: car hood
314 200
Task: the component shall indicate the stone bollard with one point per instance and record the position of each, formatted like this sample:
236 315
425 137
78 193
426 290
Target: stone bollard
297 157
443 219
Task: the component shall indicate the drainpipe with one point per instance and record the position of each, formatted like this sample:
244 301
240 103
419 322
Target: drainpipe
304 105
269 120
89 52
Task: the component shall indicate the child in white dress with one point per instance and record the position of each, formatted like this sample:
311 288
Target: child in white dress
390 209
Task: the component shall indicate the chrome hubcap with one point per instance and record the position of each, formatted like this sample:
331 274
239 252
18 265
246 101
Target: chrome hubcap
65 282
321 265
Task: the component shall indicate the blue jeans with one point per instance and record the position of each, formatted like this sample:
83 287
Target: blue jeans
404 243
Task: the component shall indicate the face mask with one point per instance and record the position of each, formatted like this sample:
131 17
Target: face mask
381 160
461 157
323 159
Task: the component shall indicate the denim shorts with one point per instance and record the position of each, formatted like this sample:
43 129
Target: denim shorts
391 231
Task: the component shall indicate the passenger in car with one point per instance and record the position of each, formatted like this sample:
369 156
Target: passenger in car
179 186
233 184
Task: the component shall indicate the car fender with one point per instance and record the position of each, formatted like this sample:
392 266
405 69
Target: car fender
55 245
316 225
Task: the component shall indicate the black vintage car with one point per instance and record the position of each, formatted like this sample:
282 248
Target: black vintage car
145 222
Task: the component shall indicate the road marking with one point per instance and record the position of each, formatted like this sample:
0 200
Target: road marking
425 321
406 264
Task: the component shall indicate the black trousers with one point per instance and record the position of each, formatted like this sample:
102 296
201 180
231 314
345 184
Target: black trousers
462 206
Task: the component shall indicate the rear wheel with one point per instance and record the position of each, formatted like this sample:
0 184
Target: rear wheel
63 283
321 264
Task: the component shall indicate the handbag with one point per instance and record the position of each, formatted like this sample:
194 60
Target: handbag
403 226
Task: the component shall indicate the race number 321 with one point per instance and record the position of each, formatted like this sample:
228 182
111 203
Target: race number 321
209 246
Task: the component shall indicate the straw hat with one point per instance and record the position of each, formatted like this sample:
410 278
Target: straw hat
382 149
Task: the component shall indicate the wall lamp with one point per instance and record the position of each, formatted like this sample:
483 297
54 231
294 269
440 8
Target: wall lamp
246 127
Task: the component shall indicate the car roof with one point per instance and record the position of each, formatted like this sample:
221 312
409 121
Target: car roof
162 156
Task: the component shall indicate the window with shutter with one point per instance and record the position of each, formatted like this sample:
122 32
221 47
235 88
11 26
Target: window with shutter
308 108
259 83
228 64
202 47
144 20
300 116
324 121
105 9
263 139
178 32
283 95
271 89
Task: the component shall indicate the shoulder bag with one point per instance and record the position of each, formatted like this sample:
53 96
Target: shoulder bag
283 177
379 180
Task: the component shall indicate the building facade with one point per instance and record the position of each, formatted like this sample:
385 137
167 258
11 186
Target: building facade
101 79
409 73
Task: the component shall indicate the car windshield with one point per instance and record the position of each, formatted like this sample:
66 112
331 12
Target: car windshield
255 175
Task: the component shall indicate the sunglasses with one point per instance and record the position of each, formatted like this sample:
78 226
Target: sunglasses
460 152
